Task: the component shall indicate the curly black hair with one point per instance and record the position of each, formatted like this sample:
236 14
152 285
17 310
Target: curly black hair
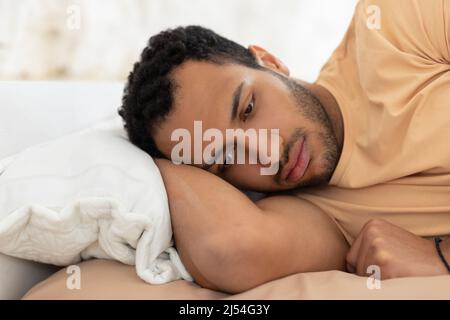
149 93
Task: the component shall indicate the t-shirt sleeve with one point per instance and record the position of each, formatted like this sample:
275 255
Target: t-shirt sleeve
446 6
416 27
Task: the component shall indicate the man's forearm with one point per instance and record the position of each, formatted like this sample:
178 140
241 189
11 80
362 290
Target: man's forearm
203 209
221 234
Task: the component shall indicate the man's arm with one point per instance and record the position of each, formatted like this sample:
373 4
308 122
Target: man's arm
229 243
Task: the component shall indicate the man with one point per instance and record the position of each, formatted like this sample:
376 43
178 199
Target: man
364 151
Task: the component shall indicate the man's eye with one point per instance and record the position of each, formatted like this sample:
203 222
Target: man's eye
249 108
227 162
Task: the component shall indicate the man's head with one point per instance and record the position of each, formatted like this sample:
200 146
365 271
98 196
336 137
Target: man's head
191 74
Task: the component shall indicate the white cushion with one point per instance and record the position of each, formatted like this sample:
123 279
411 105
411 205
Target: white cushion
89 195
35 112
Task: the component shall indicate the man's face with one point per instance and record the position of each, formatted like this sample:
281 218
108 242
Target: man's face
206 92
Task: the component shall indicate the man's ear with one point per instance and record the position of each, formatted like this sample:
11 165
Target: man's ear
268 60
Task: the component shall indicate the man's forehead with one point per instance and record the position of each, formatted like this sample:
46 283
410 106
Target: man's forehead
194 77
203 92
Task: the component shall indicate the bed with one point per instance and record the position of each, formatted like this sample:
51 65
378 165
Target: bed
36 112
111 280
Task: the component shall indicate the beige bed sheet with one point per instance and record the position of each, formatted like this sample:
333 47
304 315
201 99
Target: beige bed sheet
101 279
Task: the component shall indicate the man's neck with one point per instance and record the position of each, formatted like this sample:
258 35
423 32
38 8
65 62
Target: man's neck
331 107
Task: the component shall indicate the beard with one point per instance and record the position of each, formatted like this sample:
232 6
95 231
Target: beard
311 108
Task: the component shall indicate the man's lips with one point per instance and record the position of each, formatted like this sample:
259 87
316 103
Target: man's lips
298 161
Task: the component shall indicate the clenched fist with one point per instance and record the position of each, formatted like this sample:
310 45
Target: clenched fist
397 252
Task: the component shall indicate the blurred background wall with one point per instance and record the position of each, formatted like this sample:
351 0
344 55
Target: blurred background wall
101 39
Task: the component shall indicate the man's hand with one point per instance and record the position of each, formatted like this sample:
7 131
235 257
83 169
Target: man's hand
396 251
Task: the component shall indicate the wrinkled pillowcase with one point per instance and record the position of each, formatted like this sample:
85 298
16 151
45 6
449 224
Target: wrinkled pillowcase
88 195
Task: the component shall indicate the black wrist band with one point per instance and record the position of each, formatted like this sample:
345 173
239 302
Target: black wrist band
437 242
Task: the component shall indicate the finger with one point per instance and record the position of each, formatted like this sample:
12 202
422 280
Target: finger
352 254
367 261
364 255
364 261
350 268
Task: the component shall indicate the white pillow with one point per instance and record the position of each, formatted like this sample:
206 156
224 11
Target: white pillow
89 194
33 112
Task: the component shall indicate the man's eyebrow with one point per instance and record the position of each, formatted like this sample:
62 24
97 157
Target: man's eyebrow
235 101
234 109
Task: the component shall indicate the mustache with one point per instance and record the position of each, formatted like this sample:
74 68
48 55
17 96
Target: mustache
298 133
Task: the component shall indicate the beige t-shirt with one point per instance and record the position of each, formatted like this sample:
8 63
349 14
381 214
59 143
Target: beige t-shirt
391 79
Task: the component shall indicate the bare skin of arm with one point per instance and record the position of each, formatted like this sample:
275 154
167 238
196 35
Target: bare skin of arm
231 244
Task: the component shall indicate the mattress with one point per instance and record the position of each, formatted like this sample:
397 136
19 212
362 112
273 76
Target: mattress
103 279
